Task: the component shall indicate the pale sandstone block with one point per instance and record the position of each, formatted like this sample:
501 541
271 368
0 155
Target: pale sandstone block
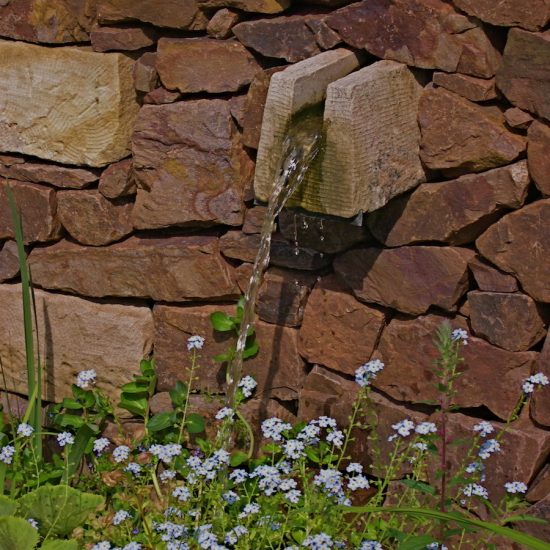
66 104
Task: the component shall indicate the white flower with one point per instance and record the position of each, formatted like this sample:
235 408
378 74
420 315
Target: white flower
293 496
484 428
100 445
325 422
167 452
247 385
237 532
121 453
249 509
473 489
132 546
436 546
425 428
120 516
420 446
24 429
336 437
354 468
514 487
538 379
460 334
322 541
167 475
367 372
65 438
134 468
403 428
370 545
33 522
86 378
238 476
195 342
330 480
6 454
225 412
230 497
104 545
358 482
272 428
488 448
293 448
181 493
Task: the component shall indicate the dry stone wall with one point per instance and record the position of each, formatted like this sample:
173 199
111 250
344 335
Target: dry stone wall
129 131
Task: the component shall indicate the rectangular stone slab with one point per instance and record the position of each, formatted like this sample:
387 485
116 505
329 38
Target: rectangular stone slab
66 104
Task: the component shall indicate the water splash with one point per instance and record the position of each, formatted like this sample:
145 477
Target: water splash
299 150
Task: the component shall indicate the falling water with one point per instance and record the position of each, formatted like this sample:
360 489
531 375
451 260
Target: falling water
299 149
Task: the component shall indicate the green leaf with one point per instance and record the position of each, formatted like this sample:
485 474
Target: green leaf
221 322
195 423
147 367
159 422
178 394
71 404
299 536
271 448
136 405
418 542
83 436
223 357
7 506
60 545
237 458
136 387
251 350
66 420
17 534
312 454
419 486
58 509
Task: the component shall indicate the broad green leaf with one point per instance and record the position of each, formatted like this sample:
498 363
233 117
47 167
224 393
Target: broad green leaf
66 420
58 509
237 458
136 405
60 545
147 367
160 422
178 394
416 543
221 321
71 404
17 534
419 486
195 423
312 454
223 357
135 387
83 436
7 506
251 350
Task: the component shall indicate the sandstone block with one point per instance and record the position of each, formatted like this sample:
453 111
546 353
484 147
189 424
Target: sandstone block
540 402
532 15
117 180
518 119
459 136
161 96
489 278
460 210
538 155
74 335
91 219
509 321
145 73
165 269
519 244
52 21
325 37
91 127
277 367
409 279
222 23
9 263
490 376
189 166
258 6
181 65
541 511
106 39
474 89
254 219
338 331
428 34
37 207
523 77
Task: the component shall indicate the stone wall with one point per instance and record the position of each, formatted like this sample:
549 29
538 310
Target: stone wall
133 172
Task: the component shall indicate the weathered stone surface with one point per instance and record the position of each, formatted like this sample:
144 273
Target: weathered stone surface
518 119
161 96
253 220
428 34
338 331
37 207
282 296
277 367
177 14
258 6
164 269
540 487
90 127
532 16
117 180
489 278
237 106
325 37
74 335
106 39
181 63
490 376
35 172
222 23
538 155
460 210
540 402
325 235
145 73
286 37
409 279
52 21
541 510
91 219
523 77
240 246
459 136
519 244
9 263
509 321
474 89
188 165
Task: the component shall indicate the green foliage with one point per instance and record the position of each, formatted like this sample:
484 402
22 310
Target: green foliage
135 395
17 534
7 506
60 545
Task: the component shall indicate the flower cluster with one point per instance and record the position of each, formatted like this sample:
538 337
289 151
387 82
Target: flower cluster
367 372
86 378
514 487
534 381
195 342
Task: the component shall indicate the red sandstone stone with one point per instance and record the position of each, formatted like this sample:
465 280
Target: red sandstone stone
9 263
460 210
237 106
509 321
106 39
222 23
145 73
258 6
541 511
489 376
37 207
518 119
523 77
192 65
489 278
161 96
91 219
459 136
117 180
540 487
428 34
164 269
519 244
338 331
325 37
277 367
474 89
540 402
253 220
409 279
538 155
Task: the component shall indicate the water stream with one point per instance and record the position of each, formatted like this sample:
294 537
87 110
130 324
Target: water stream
300 148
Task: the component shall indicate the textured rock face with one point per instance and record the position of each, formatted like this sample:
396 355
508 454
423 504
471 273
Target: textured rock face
74 335
181 65
409 279
37 207
490 376
145 72
90 218
532 15
187 165
474 89
338 331
523 77
277 367
222 23
92 127
165 269
516 118
117 180
491 279
428 34
50 21
520 244
540 402
538 155
258 6
9 264
459 136
106 39
460 210
509 321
